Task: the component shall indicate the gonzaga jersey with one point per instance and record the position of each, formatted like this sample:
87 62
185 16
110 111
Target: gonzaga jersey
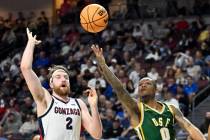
155 125
62 120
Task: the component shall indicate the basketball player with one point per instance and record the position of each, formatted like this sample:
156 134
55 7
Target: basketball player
151 119
60 117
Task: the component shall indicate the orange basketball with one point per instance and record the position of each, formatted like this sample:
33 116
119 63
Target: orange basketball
94 18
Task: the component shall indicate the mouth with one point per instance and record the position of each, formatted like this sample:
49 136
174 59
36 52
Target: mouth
143 90
63 85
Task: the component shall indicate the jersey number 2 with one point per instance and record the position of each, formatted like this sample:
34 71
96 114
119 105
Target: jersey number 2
69 123
165 133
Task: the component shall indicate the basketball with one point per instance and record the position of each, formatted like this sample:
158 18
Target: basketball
94 18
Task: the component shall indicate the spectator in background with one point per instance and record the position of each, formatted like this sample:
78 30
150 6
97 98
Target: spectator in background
130 45
153 74
137 33
29 126
43 77
107 121
12 124
182 24
2 136
190 88
97 81
64 11
88 65
134 75
42 60
193 70
181 60
2 107
128 133
199 59
183 100
170 99
206 70
117 129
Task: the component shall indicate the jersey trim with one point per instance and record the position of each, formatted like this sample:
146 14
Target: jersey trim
61 100
41 129
171 110
52 102
141 109
142 133
78 104
159 112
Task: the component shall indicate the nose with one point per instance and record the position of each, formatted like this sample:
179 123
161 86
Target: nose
143 86
63 79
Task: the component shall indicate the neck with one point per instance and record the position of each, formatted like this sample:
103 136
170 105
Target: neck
154 104
64 97
151 103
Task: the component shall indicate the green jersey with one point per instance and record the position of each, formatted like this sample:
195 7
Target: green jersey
155 125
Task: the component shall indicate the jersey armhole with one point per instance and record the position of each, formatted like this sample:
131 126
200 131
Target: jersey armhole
78 104
172 112
48 109
141 109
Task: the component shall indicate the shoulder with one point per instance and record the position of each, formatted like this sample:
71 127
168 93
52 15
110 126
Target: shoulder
176 111
80 102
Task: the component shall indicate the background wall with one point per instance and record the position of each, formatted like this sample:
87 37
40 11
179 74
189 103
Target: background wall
26 5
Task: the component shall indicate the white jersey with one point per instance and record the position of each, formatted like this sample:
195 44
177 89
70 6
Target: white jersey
62 120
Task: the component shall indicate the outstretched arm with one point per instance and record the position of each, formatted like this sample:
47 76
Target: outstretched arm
193 131
26 68
122 94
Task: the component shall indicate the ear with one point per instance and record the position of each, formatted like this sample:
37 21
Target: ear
51 83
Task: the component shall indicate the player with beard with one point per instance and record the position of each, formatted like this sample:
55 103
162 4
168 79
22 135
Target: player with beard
151 119
60 117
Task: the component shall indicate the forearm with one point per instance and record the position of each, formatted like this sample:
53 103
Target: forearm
27 57
116 84
96 122
195 133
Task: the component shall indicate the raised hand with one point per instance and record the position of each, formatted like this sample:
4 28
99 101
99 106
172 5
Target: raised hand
32 38
99 54
92 96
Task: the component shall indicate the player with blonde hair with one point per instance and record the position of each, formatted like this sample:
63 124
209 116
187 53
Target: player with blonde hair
60 116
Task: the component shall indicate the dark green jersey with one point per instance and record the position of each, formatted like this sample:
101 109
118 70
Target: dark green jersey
155 125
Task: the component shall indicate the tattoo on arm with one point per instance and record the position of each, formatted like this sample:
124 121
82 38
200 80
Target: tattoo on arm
183 122
121 92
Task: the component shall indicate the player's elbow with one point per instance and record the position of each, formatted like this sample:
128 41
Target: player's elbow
24 67
97 135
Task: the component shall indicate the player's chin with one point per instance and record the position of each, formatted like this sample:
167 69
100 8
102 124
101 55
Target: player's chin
63 91
143 94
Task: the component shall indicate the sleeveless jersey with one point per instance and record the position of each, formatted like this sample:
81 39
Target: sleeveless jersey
155 125
62 120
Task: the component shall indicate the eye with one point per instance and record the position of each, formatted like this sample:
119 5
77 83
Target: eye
66 77
57 76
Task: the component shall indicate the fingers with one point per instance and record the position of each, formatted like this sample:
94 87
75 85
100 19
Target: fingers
38 42
96 49
27 30
90 92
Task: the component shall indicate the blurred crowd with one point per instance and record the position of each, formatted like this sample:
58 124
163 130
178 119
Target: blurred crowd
176 54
